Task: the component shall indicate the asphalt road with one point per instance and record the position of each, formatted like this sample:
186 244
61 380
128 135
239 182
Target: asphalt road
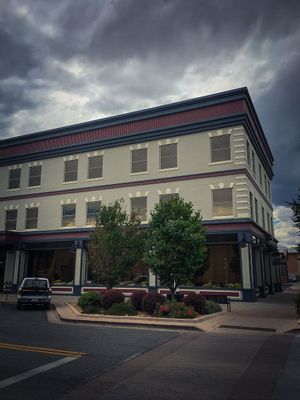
46 345
42 360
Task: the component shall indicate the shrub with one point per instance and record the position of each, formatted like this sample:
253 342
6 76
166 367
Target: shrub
197 301
212 307
92 310
297 302
137 299
125 308
173 309
89 301
150 302
111 297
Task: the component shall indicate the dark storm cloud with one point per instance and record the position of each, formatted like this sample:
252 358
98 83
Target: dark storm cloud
278 109
66 61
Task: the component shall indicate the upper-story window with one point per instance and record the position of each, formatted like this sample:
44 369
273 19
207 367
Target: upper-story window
95 168
263 217
167 197
35 175
256 211
222 202
260 174
253 163
11 220
251 205
139 207
14 178
68 214
269 189
32 218
266 187
168 156
220 148
92 209
268 222
138 160
248 154
71 170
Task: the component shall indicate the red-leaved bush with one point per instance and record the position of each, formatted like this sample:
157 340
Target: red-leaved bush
111 297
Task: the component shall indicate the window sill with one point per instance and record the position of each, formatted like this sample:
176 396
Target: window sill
33 187
66 183
31 229
223 217
13 190
94 179
67 227
168 169
221 162
138 173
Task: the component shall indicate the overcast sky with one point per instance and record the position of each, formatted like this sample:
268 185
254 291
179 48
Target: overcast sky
69 61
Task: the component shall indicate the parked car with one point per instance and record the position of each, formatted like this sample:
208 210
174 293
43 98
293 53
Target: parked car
34 291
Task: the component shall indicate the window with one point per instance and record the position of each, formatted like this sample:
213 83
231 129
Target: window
139 207
168 156
248 154
272 226
251 205
31 218
11 220
92 208
260 175
265 183
222 202
68 214
263 217
269 189
138 160
95 167
167 197
253 163
268 222
14 178
35 175
220 148
256 211
71 168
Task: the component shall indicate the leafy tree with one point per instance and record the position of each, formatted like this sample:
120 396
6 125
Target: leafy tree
175 246
116 244
295 206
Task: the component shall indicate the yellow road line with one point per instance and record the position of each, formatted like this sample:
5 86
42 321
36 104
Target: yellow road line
44 350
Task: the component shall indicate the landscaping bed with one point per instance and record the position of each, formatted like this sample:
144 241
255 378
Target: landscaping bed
143 305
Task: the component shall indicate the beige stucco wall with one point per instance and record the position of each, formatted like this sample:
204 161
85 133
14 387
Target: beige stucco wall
193 152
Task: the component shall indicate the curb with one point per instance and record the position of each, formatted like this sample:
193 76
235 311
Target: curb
146 322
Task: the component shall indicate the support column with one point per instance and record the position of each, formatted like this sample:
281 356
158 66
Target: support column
84 266
16 267
152 279
9 266
77 273
247 280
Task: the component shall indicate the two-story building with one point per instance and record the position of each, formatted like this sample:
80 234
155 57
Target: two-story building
211 150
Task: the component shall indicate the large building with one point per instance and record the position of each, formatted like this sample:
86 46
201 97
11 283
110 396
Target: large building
211 150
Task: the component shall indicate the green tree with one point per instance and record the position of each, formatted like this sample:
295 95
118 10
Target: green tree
175 246
115 245
295 206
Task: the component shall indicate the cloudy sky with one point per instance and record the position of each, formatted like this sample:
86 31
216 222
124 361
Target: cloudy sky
69 61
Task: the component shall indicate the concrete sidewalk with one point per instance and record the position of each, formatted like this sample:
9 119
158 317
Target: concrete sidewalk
276 313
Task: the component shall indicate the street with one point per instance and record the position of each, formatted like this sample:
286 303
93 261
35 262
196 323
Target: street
54 360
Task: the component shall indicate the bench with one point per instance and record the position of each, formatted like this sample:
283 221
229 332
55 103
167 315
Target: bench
218 298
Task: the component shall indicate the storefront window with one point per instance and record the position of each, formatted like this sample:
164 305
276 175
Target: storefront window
56 265
221 267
